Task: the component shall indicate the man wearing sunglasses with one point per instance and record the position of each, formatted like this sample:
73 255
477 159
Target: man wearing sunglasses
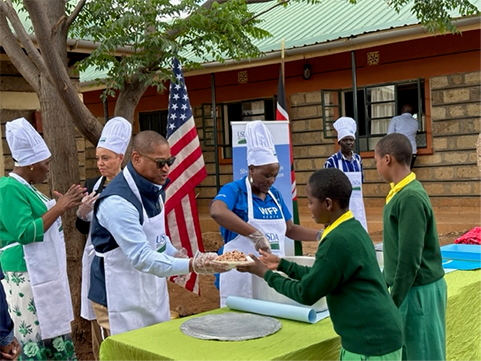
134 256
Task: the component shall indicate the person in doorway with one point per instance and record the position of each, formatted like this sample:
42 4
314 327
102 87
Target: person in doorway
110 152
251 212
33 256
412 257
351 164
345 271
406 124
133 254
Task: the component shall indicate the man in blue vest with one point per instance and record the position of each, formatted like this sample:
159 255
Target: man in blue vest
134 255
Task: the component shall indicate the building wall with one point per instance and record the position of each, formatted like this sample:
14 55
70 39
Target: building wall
450 67
449 171
18 99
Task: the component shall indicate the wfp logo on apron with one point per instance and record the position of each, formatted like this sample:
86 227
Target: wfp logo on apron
269 212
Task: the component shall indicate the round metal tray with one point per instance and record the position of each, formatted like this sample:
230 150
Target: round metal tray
230 326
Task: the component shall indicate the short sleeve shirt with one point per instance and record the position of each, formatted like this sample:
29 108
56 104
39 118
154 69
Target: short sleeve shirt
234 195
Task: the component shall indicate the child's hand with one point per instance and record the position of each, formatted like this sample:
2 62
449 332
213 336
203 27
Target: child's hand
257 267
270 260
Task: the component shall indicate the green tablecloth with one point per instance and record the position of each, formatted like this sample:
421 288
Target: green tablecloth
296 340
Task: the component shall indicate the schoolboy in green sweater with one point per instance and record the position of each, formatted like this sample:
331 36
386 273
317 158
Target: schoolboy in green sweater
412 256
345 271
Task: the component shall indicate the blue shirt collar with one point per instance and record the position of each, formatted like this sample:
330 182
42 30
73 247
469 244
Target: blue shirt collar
148 191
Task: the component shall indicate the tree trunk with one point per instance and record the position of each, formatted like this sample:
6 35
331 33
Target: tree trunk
128 99
59 135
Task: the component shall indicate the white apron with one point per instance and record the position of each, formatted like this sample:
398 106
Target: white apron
47 267
356 202
136 299
234 283
86 310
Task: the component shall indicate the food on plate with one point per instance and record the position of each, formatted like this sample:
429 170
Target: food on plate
232 256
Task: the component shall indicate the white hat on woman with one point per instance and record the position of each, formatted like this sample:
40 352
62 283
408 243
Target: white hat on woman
26 145
116 135
260 144
345 127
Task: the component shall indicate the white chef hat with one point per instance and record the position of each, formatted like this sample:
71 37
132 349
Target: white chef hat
345 127
260 144
26 145
116 135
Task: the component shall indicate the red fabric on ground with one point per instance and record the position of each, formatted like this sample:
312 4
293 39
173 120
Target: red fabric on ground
471 237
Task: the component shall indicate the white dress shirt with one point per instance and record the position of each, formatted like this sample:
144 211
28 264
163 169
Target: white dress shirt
127 231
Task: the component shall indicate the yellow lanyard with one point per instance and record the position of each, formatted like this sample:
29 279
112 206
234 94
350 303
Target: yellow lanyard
343 218
396 188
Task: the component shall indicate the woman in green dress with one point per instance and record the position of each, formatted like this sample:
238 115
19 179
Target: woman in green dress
33 256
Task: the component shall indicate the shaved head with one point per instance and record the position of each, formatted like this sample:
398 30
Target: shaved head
145 141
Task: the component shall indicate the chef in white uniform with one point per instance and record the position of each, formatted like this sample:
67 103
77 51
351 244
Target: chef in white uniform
252 213
133 254
351 164
109 154
32 254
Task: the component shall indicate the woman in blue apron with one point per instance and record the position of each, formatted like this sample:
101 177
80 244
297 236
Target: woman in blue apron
33 256
110 152
351 164
251 212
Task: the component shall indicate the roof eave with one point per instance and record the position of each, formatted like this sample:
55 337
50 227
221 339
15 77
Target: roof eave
362 41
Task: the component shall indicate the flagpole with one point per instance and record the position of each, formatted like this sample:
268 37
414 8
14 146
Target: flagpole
282 64
214 120
281 114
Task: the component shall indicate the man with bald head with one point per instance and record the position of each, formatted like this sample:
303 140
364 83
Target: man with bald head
134 255
406 124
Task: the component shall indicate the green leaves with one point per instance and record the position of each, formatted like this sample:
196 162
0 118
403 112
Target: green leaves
138 39
150 33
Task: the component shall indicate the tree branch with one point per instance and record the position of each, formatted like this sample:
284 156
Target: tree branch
265 11
16 54
75 13
23 37
208 3
81 115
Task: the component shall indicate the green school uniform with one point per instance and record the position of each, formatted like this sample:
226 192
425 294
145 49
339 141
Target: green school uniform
346 271
413 270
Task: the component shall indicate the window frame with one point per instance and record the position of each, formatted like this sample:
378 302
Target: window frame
422 135
161 113
224 141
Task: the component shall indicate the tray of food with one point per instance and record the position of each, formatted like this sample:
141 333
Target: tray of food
234 259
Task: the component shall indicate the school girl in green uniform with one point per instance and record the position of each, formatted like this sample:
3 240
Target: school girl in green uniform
412 256
345 271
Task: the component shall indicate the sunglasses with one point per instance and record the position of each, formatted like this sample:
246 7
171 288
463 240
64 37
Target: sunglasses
160 162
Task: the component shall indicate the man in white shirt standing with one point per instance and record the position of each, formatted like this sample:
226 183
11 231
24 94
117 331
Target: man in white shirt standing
133 254
406 124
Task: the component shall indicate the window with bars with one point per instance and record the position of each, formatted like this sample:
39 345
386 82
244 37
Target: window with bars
156 121
257 109
376 105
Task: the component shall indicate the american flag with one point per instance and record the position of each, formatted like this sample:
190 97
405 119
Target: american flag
186 173
281 114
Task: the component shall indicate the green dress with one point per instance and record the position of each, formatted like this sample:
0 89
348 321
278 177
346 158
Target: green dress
21 208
